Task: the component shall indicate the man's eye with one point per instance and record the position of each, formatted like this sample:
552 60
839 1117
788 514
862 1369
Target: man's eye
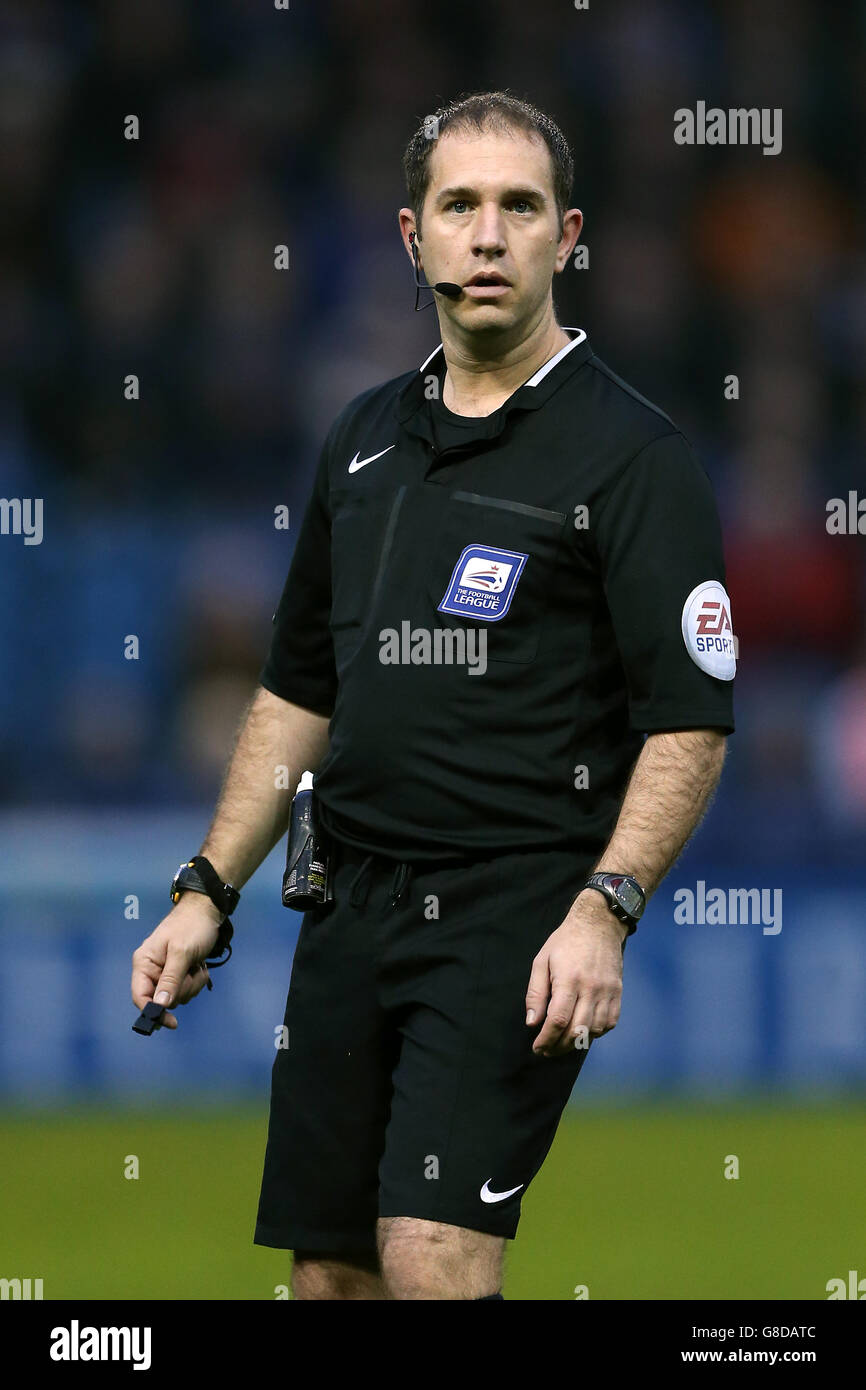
521 204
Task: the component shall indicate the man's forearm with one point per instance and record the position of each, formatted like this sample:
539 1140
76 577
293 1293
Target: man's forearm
576 979
668 792
276 742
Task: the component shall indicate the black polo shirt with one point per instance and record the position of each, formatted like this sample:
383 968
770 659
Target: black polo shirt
573 538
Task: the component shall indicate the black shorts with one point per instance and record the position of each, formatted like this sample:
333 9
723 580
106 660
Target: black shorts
408 1086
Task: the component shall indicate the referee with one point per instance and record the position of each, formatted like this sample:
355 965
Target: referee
504 648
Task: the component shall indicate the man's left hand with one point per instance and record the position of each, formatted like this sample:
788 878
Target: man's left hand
575 986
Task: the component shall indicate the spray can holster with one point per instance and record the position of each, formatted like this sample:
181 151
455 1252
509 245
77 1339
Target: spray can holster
307 881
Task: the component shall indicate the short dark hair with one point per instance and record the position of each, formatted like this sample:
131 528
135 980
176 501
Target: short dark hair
483 111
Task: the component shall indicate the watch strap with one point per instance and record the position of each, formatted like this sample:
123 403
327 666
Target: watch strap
604 883
198 875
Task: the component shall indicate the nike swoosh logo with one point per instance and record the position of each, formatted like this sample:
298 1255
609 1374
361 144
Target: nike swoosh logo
488 1196
361 463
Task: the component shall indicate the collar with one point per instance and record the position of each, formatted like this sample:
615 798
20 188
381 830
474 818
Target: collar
530 396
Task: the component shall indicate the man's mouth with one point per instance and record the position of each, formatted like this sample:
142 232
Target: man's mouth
487 277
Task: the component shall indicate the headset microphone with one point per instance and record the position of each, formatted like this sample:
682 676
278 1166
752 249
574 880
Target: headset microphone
445 287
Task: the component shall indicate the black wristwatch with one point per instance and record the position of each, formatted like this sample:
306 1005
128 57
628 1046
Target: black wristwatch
625 897
198 875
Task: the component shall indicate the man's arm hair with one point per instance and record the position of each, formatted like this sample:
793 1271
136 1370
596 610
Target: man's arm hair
276 741
667 795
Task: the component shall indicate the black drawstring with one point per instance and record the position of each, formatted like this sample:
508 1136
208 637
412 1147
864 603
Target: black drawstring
360 887
402 877
361 883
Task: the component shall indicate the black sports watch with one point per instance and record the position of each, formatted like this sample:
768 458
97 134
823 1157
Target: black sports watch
625 897
198 875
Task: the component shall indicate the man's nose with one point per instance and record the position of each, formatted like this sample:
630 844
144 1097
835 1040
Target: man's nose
487 232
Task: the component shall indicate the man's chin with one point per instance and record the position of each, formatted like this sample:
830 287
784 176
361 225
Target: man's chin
477 315
503 303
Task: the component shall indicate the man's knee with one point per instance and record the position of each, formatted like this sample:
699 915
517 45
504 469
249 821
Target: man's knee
327 1276
433 1260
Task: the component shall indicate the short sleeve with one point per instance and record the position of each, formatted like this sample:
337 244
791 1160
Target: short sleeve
659 544
300 663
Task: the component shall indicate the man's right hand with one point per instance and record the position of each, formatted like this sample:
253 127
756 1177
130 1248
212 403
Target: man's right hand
168 966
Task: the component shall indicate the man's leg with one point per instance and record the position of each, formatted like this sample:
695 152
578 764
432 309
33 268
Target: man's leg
432 1260
320 1276
330 1097
473 1111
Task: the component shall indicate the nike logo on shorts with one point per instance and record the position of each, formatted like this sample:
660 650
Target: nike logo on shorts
488 1196
361 463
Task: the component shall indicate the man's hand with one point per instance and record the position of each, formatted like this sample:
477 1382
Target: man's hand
168 966
577 978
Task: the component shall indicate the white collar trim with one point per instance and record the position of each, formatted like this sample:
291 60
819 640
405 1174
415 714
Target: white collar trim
548 366
542 371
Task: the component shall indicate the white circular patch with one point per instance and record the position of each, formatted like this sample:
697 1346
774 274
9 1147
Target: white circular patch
707 630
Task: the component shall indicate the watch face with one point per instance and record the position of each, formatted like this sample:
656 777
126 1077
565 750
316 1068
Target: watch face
628 896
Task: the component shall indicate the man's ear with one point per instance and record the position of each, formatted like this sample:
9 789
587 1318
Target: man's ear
572 225
406 220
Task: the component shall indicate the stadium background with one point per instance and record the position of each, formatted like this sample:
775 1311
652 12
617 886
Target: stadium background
261 128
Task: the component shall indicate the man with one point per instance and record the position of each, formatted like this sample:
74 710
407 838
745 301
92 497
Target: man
505 649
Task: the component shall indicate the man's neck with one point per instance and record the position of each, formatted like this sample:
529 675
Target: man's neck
477 386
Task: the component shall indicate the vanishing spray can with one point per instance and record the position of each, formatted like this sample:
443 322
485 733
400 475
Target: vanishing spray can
306 880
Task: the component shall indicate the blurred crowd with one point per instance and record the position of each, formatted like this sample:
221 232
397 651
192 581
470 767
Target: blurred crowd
258 127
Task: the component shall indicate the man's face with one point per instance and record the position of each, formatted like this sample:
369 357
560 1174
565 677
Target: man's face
490 209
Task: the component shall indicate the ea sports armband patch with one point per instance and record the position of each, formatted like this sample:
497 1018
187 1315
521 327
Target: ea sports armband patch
707 630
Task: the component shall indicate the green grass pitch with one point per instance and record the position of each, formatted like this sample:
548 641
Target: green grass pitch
632 1203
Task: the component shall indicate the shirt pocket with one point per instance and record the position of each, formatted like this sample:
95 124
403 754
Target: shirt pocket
359 523
494 570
